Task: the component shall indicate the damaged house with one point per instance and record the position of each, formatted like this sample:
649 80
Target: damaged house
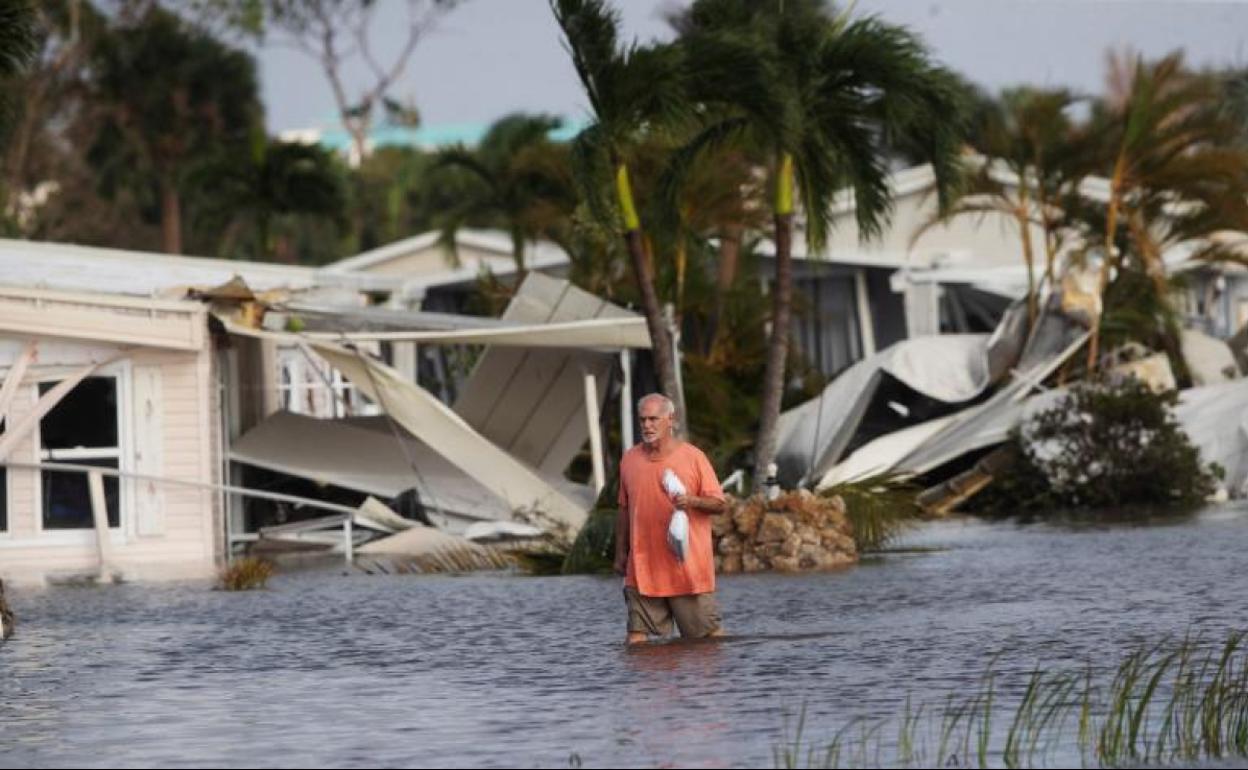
143 400
932 408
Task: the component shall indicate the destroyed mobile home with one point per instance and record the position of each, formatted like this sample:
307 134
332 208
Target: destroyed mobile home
932 410
160 413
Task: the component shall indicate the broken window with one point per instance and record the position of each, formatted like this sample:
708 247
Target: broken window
81 430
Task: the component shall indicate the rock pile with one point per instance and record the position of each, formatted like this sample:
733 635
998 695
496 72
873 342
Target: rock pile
796 532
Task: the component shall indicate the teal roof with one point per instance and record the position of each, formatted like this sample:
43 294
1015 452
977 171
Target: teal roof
440 135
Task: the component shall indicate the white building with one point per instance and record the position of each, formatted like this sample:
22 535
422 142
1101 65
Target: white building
106 362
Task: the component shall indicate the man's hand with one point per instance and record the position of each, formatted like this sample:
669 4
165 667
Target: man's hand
683 502
621 565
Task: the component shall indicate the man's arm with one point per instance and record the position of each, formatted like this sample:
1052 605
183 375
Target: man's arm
621 540
710 497
708 505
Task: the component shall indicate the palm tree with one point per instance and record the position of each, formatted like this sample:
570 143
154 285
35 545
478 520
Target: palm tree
17 45
843 92
1032 160
688 205
1175 169
519 179
169 94
273 181
632 91
17 36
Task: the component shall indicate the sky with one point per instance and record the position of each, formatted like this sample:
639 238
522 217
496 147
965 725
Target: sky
487 58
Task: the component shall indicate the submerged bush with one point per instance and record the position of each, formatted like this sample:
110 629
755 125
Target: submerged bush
1099 447
593 550
245 574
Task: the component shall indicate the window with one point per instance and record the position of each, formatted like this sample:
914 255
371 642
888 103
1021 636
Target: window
825 320
83 430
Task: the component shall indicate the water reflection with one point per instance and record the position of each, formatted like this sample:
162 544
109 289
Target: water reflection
496 671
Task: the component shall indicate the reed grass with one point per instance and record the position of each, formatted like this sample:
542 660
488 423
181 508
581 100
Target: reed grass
1171 703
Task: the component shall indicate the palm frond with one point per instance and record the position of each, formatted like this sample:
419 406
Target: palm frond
591 31
17 36
591 169
678 169
649 89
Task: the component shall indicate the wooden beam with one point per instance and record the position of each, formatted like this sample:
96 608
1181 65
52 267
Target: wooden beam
595 433
16 373
9 439
626 402
99 513
230 488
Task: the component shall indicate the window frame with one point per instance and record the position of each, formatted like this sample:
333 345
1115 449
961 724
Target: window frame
120 371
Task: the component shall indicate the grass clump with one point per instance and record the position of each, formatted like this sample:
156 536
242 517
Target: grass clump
1166 704
879 508
246 574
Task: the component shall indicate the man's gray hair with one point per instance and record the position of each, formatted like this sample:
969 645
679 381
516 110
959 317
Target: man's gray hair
669 407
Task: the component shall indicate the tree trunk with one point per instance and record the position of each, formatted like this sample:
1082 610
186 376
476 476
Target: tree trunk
1111 227
170 216
358 129
777 350
660 340
729 258
682 263
1050 255
1024 225
517 253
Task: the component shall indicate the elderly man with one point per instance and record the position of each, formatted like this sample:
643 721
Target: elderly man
659 588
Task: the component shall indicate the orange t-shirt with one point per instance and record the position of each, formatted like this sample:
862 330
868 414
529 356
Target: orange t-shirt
652 568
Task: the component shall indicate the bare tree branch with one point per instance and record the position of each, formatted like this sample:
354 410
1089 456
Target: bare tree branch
317 27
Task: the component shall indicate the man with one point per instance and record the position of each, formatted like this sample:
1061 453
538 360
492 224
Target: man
657 588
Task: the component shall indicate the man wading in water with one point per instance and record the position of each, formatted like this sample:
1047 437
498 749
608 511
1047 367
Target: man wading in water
657 586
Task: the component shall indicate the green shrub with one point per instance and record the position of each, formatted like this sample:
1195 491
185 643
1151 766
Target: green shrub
593 550
245 574
1102 447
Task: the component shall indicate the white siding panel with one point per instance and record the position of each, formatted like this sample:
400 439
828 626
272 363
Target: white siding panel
149 496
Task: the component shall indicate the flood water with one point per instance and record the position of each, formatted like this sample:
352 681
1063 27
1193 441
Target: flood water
324 669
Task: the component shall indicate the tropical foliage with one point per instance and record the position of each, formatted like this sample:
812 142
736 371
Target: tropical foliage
1102 447
707 165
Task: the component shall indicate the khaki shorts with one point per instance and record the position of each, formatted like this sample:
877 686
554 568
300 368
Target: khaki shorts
696 615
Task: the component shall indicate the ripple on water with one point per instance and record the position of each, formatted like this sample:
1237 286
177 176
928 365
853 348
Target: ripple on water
491 670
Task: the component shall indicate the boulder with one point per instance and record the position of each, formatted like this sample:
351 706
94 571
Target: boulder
729 544
775 528
750 562
791 546
786 564
747 516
